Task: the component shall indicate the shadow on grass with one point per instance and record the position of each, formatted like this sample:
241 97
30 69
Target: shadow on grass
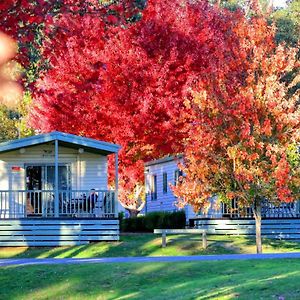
273 245
269 279
150 245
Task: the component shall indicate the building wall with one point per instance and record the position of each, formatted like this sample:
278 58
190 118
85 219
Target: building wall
164 201
88 170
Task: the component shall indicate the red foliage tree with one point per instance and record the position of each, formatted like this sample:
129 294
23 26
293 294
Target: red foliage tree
127 84
29 22
243 144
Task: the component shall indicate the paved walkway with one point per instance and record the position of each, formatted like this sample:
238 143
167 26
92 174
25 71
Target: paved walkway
58 261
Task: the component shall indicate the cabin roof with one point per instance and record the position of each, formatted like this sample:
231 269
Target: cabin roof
64 139
163 160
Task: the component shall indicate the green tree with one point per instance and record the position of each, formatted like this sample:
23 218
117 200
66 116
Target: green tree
287 21
13 122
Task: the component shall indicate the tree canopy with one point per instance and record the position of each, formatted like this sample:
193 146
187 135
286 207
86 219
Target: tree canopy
128 84
162 77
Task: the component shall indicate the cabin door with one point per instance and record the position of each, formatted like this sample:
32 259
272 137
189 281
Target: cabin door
64 178
40 184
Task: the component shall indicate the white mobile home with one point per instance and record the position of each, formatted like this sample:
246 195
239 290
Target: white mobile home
281 221
56 179
159 174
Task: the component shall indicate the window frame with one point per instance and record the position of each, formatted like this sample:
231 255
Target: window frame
153 187
177 174
165 182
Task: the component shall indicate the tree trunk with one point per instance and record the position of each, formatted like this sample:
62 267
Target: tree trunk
257 216
133 212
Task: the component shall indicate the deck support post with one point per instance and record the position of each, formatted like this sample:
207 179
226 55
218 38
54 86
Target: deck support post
56 194
116 184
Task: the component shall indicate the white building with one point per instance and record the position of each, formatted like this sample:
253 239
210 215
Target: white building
57 176
159 174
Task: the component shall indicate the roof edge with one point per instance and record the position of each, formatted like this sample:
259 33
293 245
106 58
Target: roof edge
60 136
163 160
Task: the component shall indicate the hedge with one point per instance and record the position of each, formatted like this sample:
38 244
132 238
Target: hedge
147 223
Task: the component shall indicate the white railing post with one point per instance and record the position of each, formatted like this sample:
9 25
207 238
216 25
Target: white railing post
73 203
56 200
116 184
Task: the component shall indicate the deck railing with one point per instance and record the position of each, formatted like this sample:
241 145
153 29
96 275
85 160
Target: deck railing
71 203
269 210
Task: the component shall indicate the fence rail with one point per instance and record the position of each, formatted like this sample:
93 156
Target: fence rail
271 228
269 210
71 203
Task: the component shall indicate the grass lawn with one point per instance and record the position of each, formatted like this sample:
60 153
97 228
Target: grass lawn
150 245
257 279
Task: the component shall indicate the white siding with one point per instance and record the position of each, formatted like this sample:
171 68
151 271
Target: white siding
88 170
165 201
92 171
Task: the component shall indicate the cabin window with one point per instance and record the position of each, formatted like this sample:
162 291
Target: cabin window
153 187
42 177
165 183
177 174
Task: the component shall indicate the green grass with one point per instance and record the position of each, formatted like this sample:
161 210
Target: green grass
257 279
150 245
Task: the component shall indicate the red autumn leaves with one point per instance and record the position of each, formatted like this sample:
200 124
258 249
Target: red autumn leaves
187 77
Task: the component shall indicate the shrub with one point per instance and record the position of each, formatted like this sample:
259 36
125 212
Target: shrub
160 219
121 216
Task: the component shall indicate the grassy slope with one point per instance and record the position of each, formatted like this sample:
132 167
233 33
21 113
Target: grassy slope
269 279
150 245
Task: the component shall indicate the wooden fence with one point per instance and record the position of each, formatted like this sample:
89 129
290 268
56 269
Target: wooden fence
57 232
288 228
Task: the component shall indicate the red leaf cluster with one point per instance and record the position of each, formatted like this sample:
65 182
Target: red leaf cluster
188 77
128 84
245 126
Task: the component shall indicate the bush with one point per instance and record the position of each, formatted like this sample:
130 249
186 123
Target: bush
153 220
121 216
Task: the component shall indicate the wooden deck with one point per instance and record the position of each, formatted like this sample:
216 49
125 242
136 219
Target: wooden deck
278 228
57 232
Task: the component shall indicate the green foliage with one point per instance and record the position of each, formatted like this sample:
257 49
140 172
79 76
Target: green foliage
121 216
13 123
287 22
36 62
147 223
293 155
286 18
8 124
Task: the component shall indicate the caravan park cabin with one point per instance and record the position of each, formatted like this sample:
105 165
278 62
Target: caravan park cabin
281 221
54 191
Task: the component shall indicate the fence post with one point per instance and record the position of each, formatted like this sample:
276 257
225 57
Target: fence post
163 239
204 239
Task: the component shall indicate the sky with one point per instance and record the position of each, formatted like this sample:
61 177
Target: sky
279 3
